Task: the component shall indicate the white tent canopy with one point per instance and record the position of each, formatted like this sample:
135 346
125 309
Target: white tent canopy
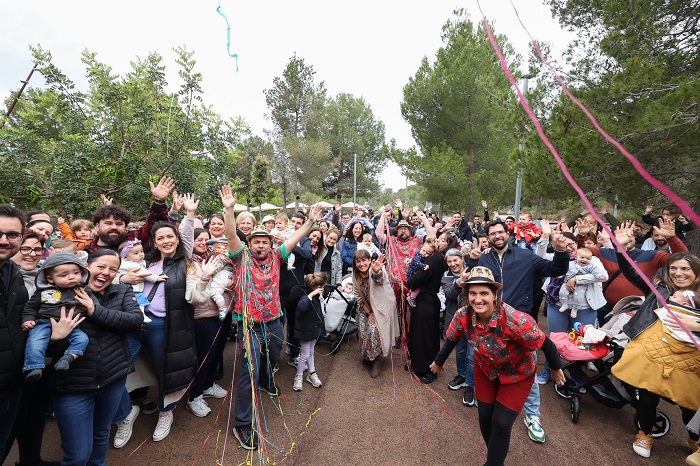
292 205
325 205
265 206
350 204
240 207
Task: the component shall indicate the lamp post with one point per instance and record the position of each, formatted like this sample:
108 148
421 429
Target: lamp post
354 179
521 147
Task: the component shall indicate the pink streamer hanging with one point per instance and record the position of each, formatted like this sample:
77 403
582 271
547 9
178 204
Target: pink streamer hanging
566 173
633 160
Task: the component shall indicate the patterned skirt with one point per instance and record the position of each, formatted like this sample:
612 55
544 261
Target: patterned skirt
370 346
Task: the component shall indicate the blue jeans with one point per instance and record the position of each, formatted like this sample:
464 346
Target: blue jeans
8 411
464 355
265 346
38 341
84 421
154 341
125 403
532 404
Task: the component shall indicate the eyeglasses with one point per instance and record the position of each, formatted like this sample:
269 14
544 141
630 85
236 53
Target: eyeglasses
11 235
26 250
496 233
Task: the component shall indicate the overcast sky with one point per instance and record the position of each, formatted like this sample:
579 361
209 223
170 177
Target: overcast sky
365 48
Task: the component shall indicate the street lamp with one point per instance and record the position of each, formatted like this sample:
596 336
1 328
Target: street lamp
521 147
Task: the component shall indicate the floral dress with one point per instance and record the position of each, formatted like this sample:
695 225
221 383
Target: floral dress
370 346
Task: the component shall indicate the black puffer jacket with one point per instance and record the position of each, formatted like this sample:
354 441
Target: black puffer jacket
180 361
106 357
12 338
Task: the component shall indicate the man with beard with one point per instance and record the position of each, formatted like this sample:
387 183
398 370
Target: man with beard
257 312
111 220
13 296
657 242
515 269
400 249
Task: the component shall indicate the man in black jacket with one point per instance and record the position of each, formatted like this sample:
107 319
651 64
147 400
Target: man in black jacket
13 296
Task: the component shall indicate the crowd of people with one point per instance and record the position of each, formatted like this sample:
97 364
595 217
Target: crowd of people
80 308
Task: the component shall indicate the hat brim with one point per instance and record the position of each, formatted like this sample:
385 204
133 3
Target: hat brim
253 235
479 281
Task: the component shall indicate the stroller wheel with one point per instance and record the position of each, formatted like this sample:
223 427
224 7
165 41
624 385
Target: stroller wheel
564 391
662 424
575 408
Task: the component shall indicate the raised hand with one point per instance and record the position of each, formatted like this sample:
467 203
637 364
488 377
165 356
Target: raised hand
188 201
558 241
623 233
649 209
177 202
106 200
315 213
545 227
583 226
163 188
683 219
398 203
228 198
378 263
666 228
484 204
210 267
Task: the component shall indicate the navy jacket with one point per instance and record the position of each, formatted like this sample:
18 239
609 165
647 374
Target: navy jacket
517 273
12 338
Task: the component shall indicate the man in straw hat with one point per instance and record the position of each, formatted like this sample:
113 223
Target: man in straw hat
505 341
257 312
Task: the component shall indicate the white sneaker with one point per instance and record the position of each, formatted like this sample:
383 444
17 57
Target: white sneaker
198 407
165 421
314 380
298 383
215 391
125 428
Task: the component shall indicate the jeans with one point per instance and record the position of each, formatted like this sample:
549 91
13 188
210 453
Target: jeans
306 355
154 341
532 404
38 341
84 421
264 341
8 413
464 355
209 332
125 403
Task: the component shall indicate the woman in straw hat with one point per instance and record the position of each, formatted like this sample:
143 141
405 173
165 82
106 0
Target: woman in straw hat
504 342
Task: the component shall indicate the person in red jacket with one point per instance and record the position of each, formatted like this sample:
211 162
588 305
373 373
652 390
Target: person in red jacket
526 232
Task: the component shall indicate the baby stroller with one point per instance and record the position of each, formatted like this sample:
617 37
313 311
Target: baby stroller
605 388
339 317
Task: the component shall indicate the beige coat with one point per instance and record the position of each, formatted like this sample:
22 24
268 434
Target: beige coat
383 303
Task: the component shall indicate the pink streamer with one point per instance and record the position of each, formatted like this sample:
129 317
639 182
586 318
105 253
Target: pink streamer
633 160
566 173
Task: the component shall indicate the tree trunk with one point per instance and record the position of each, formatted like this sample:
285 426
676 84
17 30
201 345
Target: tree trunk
694 236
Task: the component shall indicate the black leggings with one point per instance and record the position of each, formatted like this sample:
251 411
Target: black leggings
646 411
496 422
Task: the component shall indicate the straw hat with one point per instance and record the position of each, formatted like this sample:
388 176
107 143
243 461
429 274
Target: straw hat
259 231
482 276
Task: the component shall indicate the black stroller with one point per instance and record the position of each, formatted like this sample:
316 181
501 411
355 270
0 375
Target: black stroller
605 388
339 316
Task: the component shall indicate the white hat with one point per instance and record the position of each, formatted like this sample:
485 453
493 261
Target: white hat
267 218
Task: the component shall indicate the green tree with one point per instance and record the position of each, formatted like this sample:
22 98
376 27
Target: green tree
461 111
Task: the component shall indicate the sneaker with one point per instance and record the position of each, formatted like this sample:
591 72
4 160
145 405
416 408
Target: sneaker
246 437
544 377
165 421
146 406
214 392
199 407
642 444
468 399
298 383
272 390
293 362
457 383
314 380
694 459
125 428
534 429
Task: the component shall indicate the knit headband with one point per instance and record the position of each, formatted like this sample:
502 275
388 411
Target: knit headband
127 247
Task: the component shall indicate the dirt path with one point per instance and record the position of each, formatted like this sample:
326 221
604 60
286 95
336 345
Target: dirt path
391 420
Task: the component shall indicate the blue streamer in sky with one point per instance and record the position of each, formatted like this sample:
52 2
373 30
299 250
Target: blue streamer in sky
228 36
